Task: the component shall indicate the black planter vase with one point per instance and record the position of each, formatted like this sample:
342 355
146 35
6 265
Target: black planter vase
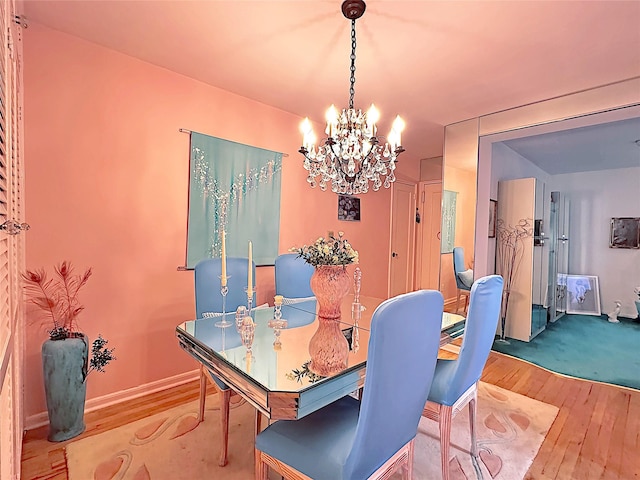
64 366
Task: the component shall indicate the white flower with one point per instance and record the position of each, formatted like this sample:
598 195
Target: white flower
331 251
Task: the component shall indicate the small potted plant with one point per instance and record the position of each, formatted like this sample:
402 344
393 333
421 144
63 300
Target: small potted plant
65 355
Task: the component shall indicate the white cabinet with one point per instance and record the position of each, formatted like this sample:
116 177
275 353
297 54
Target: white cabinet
521 260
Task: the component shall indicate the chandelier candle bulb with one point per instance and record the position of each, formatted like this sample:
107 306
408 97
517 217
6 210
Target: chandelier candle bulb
223 259
398 127
332 121
373 115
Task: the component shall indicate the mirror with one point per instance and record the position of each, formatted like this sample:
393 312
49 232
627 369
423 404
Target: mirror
486 134
458 203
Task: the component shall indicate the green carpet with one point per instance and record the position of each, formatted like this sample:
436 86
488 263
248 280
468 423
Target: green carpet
586 347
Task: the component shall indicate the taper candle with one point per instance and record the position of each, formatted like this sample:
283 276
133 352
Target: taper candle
223 275
250 272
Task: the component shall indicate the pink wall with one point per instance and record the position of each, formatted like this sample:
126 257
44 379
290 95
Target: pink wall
106 187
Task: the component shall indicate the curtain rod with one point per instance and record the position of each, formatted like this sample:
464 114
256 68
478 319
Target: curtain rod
184 130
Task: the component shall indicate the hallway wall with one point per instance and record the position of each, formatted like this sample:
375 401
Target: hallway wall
595 198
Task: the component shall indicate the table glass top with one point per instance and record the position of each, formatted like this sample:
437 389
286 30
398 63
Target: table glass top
275 368
284 367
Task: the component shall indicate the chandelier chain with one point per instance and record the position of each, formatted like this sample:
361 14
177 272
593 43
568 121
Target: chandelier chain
352 80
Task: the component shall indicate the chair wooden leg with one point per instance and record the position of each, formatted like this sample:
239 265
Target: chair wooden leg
445 438
262 469
472 423
225 397
203 393
258 429
457 301
258 423
408 468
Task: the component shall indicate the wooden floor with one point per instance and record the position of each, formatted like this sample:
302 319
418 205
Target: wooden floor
596 434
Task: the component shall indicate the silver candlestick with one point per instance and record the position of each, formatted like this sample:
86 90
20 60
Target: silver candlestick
356 309
277 323
224 323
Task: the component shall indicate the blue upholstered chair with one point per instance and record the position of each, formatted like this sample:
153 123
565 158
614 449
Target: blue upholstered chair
209 301
455 382
351 439
292 276
463 275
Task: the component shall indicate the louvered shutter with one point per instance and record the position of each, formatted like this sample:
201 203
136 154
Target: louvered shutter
11 245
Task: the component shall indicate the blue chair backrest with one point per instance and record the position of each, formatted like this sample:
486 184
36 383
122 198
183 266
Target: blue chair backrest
458 266
479 333
207 284
403 347
292 276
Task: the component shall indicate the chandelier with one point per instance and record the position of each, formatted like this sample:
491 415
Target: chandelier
352 155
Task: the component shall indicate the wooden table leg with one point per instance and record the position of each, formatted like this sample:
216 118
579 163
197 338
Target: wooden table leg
225 398
203 393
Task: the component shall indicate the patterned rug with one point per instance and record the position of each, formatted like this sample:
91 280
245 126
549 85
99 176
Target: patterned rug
171 445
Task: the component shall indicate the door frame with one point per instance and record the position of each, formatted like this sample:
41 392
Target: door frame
412 236
419 255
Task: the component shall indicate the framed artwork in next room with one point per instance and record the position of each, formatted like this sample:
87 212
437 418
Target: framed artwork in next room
625 232
493 214
583 294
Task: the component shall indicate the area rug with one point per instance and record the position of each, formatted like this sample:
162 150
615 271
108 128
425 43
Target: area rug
584 346
170 445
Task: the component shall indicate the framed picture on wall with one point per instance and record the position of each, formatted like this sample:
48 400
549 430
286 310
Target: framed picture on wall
583 294
493 214
625 232
449 207
348 208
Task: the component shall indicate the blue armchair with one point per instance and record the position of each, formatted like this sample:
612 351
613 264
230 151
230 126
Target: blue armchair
463 276
208 301
351 439
292 275
455 382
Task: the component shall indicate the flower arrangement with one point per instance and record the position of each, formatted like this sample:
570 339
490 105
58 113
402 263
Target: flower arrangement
328 251
57 300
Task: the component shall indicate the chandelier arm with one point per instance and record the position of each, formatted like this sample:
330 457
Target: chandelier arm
331 148
398 150
306 152
366 160
337 162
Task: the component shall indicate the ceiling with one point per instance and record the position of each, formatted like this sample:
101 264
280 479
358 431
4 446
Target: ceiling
433 62
604 146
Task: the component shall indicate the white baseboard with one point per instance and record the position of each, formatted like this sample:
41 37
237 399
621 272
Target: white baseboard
42 418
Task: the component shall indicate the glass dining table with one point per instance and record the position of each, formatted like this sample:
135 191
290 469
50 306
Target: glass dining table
272 371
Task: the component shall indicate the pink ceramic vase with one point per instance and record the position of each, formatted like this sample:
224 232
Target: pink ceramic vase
328 347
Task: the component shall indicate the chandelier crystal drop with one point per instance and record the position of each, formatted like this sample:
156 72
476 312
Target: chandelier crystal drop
352 155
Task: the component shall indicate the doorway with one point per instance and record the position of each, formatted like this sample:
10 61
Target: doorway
428 235
403 225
